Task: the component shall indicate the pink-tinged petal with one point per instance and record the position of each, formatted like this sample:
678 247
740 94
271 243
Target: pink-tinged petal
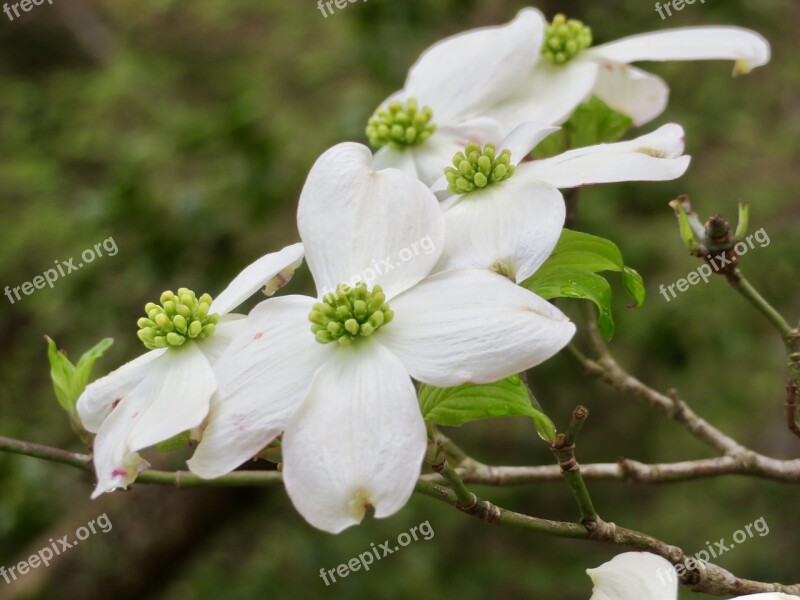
172 398
472 327
275 269
263 376
631 91
462 76
748 48
634 576
103 395
515 223
363 225
357 440
656 156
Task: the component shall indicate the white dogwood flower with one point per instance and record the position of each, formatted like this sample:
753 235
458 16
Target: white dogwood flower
342 391
166 391
571 71
478 86
506 215
449 93
645 576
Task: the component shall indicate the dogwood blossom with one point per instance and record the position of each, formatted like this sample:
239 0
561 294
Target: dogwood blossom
166 391
511 225
342 392
480 85
449 94
571 71
641 575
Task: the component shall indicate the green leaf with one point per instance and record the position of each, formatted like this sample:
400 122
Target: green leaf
472 402
593 122
581 285
86 362
182 440
62 372
69 381
571 272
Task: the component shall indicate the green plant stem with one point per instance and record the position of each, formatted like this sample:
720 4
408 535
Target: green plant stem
488 512
176 478
744 287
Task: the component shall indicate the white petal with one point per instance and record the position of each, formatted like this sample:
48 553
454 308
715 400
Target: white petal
472 327
525 138
353 220
747 47
402 160
228 327
656 156
549 94
635 576
631 91
516 222
262 378
358 439
461 76
280 264
173 398
102 395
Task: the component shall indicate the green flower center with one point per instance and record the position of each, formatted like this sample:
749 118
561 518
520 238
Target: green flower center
476 168
565 39
180 317
400 126
347 313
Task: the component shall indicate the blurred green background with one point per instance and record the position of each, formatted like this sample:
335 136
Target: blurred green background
184 130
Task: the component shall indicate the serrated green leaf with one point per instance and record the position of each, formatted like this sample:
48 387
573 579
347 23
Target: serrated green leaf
571 272
593 122
472 402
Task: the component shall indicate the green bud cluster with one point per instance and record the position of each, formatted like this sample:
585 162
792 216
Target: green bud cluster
180 317
476 168
347 313
565 39
399 126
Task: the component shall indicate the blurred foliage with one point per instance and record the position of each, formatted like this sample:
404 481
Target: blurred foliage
185 130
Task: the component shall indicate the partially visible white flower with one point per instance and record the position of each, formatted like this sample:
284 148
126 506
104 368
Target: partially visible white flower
166 391
511 224
449 94
334 372
571 71
645 576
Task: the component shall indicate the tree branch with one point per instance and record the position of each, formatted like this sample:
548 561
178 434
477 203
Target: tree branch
705 577
709 578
